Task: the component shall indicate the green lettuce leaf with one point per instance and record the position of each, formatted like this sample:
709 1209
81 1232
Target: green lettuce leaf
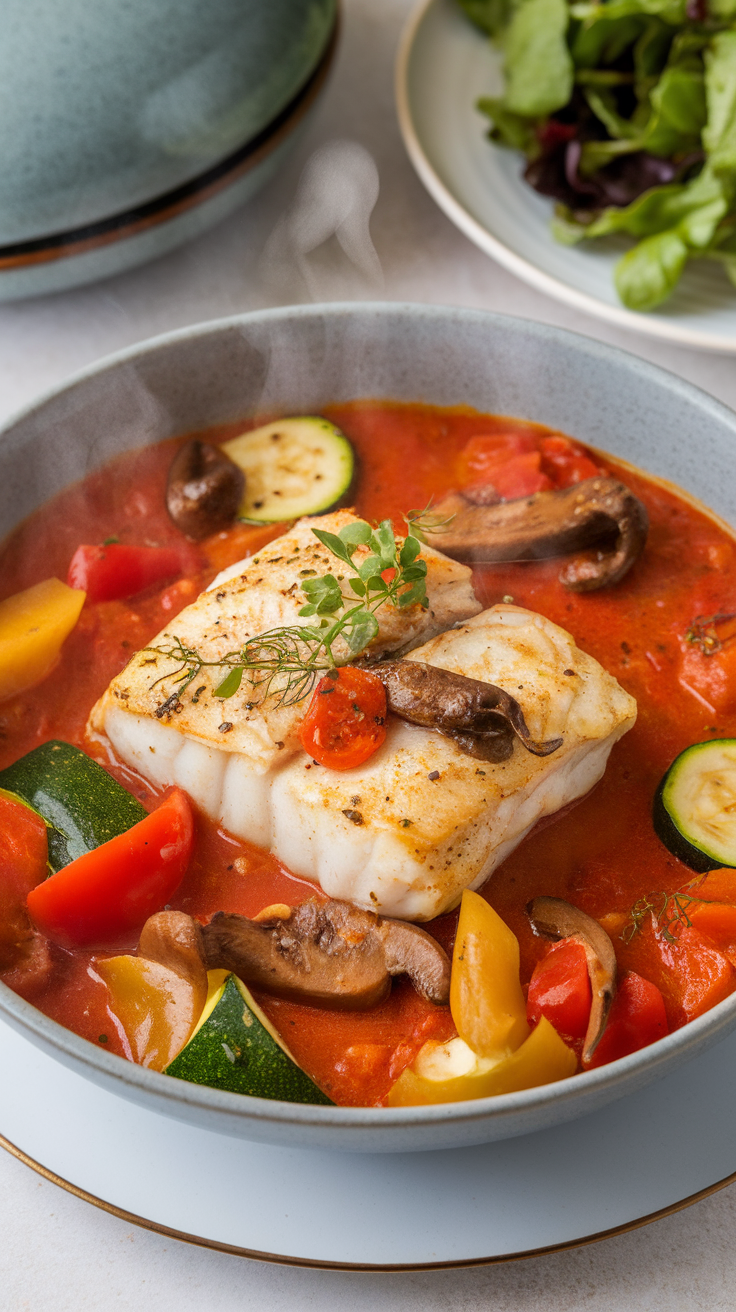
538 65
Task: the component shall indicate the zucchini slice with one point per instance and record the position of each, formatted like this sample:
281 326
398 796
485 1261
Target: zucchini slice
695 805
81 803
292 467
235 1047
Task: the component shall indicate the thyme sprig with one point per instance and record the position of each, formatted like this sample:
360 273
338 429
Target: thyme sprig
669 910
287 662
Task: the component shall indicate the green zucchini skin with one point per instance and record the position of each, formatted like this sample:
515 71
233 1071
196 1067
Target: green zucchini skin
671 833
81 803
234 1050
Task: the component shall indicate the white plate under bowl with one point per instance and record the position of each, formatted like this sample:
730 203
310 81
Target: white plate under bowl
607 1172
444 65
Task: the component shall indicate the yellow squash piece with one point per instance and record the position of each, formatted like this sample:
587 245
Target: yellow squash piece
451 1072
157 1008
33 626
486 999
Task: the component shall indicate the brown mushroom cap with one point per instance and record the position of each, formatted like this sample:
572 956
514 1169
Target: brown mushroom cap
481 718
174 940
554 918
597 513
205 489
329 954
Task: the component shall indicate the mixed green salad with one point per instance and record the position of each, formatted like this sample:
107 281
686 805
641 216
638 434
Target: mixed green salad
626 112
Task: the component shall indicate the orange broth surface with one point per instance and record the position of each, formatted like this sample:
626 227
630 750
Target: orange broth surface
601 854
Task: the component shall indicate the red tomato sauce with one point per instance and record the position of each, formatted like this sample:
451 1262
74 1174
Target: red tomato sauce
601 854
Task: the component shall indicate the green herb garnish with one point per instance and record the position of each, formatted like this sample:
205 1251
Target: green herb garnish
287 662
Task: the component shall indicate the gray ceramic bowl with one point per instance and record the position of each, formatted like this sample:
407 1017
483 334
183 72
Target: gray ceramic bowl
297 360
128 128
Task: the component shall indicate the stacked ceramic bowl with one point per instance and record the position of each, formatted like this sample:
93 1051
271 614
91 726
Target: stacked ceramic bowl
128 129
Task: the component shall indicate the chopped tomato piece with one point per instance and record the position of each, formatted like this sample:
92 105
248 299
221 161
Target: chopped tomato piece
115 570
717 921
345 722
691 973
482 455
111 891
711 678
23 864
716 886
565 462
637 1018
560 990
521 477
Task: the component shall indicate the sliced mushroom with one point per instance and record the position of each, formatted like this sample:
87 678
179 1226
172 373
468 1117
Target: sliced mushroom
554 918
174 940
597 513
328 954
205 489
481 718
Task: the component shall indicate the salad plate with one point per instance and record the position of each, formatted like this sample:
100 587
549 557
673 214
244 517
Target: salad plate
444 65
533 1194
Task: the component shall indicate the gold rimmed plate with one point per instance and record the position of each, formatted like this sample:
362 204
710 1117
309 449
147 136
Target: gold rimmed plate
519 1198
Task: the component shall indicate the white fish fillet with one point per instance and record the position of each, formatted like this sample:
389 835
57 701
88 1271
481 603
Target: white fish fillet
405 833
255 595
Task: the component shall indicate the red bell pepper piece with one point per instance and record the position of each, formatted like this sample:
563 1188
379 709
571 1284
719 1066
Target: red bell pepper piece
345 722
636 1019
112 891
23 864
114 571
560 990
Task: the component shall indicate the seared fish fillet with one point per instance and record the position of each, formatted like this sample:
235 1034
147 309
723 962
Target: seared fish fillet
420 821
221 751
405 833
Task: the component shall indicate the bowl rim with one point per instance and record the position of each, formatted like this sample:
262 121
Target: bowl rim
72 1049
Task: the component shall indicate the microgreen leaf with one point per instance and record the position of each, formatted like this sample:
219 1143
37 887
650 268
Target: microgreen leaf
356 534
333 544
409 552
230 684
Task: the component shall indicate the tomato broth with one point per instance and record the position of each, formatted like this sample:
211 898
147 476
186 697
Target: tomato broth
601 854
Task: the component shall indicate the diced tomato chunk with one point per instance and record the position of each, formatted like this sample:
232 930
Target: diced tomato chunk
521 477
110 572
483 455
637 1018
716 886
345 721
23 865
691 973
717 922
712 677
565 462
560 990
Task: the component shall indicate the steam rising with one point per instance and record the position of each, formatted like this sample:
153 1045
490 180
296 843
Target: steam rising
337 192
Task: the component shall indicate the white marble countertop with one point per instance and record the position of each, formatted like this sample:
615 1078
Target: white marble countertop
57 1251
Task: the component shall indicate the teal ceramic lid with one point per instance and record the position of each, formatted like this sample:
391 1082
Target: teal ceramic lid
105 106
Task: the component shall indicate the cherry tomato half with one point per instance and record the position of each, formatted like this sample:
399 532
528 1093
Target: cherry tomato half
346 719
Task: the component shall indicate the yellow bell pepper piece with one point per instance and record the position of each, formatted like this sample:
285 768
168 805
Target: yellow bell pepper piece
157 1008
486 999
33 625
451 1072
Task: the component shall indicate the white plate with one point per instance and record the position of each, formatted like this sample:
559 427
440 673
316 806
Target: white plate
444 65
631 1162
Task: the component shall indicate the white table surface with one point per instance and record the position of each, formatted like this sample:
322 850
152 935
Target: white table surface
58 1252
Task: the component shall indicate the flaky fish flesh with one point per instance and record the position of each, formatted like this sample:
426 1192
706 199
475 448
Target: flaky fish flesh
420 821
